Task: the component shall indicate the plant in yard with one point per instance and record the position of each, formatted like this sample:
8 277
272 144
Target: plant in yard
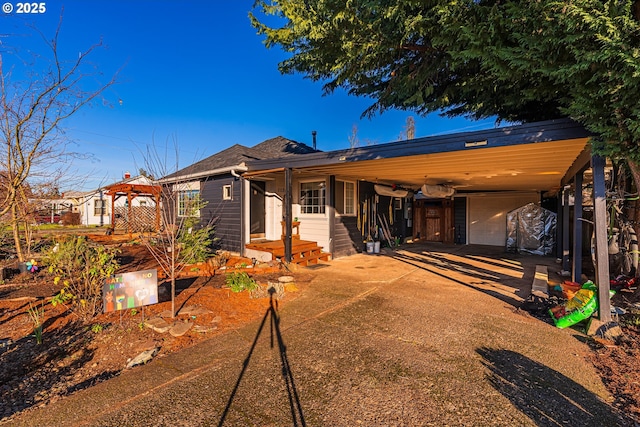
186 227
96 328
195 241
82 267
36 315
240 281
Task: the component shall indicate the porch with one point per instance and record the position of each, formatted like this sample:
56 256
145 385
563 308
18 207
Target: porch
303 252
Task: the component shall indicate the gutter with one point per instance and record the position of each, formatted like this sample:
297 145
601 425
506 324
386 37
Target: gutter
233 170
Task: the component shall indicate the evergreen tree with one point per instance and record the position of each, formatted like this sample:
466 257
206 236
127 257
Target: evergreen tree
515 60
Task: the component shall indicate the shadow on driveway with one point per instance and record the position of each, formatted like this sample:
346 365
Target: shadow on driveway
543 394
487 270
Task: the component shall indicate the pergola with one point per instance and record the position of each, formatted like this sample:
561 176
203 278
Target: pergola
131 191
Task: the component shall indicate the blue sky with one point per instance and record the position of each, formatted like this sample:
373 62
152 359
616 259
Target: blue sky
197 73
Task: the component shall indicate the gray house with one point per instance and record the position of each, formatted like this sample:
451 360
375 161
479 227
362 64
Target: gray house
216 181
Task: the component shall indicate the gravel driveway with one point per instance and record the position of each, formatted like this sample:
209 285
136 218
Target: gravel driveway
424 337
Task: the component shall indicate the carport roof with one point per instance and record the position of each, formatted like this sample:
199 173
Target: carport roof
528 157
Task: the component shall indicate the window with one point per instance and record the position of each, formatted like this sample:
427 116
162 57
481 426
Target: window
99 207
189 203
226 192
312 199
345 198
349 198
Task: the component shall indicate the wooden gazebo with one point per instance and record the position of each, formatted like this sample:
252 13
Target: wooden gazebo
131 191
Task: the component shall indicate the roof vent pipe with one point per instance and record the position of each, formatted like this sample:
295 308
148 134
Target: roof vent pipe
313 134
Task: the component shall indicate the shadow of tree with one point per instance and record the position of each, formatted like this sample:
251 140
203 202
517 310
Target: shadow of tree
30 370
546 396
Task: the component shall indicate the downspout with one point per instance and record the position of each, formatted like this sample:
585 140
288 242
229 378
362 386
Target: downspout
331 199
242 210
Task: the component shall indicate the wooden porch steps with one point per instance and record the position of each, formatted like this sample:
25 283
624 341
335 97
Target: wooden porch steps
303 252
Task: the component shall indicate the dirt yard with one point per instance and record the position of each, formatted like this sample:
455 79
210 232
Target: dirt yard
75 356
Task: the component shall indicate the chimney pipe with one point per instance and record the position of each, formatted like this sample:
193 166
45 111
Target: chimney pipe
313 134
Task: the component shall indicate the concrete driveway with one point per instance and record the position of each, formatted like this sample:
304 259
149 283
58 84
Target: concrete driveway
418 337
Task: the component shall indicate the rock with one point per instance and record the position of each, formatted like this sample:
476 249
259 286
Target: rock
180 328
204 329
143 357
192 310
607 331
166 313
158 324
285 279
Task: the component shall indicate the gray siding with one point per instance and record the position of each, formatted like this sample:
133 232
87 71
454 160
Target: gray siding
226 215
460 219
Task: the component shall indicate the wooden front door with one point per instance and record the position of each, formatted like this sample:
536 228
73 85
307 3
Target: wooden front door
433 224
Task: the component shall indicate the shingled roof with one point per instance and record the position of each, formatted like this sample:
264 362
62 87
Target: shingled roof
237 155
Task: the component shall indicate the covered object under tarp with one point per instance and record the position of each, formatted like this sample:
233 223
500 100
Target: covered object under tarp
531 229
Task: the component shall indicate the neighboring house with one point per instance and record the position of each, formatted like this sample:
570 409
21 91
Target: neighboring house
229 201
94 207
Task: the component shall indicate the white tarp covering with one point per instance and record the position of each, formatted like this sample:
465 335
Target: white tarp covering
531 229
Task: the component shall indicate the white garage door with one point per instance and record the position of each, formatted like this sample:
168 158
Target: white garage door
488 216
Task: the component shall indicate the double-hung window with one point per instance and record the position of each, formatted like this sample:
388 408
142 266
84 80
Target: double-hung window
346 198
312 197
99 207
189 203
349 198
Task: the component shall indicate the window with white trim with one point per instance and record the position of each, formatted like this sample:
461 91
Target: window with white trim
349 198
345 198
226 192
312 197
99 207
189 203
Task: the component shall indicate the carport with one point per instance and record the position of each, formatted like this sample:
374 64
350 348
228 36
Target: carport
547 157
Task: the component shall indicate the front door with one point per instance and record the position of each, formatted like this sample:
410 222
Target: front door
257 213
433 224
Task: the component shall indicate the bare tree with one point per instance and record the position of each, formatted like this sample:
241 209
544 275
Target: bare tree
410 128
184 236
353 137
409 131
32 111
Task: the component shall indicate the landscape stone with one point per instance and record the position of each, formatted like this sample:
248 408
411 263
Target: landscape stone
285 279
180 328
607 331
204 329
143 357
158 324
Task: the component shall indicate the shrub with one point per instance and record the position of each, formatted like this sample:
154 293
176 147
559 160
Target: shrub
241 281
82 268
195 242
70 218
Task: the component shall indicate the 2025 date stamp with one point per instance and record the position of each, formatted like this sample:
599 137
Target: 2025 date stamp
24 8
